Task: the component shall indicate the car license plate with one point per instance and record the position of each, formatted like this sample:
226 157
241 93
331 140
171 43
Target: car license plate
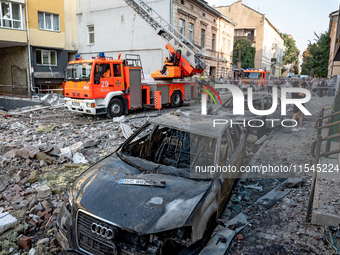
132 181
75 104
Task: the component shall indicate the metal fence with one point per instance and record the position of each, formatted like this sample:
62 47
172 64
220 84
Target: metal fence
14 91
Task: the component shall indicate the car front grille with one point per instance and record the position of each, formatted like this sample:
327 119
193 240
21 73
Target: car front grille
91 242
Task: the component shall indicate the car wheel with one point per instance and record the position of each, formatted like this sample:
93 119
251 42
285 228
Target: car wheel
176 99
115 108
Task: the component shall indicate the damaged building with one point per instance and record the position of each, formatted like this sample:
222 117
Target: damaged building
37 40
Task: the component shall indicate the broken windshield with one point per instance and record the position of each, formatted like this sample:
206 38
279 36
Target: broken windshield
168 151
79 72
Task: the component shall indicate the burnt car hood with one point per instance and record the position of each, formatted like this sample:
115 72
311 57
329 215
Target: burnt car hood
144 209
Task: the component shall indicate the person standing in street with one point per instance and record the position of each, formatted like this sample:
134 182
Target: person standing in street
297 112
270 85
221 80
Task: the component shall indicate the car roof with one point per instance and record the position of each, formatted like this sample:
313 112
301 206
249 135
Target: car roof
194 124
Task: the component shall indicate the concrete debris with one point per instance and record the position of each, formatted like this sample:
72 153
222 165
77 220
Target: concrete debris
51 99
65 152
79 158
251 138
259 188
33 176
261 140
31 252
44 191
293 182
7 221
127 132
17 125
47 127
119 119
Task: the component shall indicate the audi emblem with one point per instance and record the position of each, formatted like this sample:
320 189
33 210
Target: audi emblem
103 231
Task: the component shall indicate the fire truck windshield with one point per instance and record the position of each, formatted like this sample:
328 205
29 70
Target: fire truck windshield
251 75
79 72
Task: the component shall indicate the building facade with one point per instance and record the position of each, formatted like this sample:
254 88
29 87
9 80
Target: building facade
13 47
334 61
37 39
128 33
209 30
255 27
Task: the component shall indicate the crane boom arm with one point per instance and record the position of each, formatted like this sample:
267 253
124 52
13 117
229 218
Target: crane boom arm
190 52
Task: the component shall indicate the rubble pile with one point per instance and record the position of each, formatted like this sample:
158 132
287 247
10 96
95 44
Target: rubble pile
42 152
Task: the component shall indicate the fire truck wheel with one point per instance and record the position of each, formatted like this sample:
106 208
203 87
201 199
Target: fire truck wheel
115 108
176 99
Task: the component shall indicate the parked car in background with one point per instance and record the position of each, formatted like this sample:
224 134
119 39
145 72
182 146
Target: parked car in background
304 76
142 199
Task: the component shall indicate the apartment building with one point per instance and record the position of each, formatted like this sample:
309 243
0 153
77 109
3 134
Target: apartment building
125 32
37 39
255 27
334 33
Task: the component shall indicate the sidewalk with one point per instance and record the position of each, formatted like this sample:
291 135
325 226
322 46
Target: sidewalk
282 229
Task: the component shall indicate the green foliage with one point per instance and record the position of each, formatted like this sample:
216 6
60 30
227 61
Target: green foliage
291 49
316 56
303 70
247 53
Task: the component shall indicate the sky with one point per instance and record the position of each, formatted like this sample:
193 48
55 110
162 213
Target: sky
300 18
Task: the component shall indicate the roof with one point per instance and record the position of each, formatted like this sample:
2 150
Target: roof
194 124
216 12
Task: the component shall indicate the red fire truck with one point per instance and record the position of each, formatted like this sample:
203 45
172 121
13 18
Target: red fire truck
255 77
113 86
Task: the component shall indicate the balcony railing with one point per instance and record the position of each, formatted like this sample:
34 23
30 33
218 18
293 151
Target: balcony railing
251 38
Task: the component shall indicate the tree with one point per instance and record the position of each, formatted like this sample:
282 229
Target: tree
316 56
247 53
290 52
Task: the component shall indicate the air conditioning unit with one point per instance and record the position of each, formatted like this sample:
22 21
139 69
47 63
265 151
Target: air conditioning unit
274 46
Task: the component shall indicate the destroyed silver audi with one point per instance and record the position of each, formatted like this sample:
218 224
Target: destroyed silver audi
143 199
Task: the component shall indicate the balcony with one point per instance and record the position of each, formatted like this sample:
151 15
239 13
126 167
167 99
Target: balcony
251 38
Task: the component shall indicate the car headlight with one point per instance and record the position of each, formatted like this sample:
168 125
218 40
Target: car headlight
88 104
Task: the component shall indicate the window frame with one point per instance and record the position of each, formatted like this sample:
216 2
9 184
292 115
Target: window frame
182 26
213 42
49 57
191 32
44 22
88 35
202 43
11 19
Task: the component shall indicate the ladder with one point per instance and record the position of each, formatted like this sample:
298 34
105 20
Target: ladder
178 41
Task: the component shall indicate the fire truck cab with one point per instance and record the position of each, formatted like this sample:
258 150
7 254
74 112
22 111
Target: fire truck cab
255 77
113 86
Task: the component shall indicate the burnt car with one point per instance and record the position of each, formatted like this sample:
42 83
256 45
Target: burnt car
143 198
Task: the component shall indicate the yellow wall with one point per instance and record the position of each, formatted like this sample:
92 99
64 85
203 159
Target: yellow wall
13 35
42 37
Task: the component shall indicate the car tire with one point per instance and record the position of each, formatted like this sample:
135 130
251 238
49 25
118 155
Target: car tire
115 108
176 99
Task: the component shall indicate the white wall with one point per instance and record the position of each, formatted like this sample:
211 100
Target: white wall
119 29
271 36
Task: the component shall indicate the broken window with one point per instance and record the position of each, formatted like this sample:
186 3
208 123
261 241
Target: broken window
171 147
